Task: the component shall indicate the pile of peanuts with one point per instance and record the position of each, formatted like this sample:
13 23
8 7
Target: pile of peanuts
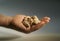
28 21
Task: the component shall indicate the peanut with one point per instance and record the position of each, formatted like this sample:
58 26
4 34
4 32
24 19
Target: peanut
35 20
26 23
29 21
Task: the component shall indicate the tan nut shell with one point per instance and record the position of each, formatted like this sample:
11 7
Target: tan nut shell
35 20
28 21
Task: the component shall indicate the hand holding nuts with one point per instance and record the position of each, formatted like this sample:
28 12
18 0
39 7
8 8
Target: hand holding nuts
26 24
23 23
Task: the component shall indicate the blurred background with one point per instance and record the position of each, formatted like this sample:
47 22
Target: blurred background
40 8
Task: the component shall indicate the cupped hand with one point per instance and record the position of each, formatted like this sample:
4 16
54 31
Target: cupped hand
17 21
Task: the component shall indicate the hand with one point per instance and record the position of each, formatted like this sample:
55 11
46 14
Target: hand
18 25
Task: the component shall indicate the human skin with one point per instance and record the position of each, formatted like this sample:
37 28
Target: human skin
15 22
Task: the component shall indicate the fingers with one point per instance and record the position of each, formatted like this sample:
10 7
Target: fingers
46 19
42 23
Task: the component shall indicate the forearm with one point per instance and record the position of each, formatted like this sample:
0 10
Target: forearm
5 20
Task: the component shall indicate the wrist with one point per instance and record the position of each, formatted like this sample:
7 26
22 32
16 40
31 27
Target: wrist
5 20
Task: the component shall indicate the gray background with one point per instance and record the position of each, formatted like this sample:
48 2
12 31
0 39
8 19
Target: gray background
40 8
